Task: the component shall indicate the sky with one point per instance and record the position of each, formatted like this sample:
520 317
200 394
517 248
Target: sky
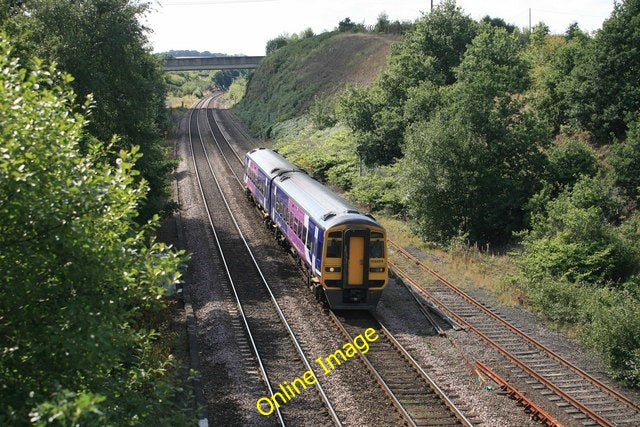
245 26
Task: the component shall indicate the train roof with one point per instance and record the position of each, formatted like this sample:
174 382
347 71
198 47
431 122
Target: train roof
272 163
323 205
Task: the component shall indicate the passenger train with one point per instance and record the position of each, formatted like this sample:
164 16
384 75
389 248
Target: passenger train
342 250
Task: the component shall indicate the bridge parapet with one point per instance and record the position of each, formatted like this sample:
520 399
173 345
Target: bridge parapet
211 63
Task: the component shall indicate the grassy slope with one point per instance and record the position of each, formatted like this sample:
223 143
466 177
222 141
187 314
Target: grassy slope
286 82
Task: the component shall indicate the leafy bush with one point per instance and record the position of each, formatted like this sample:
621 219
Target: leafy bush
559 300
608 320
237 90
380 189
569 161
328 154
574 241
322 113
80 271
614 331
625 162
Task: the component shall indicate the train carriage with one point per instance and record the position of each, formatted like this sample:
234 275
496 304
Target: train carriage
343 249
261 167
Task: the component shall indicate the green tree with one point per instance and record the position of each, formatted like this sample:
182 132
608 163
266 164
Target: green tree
382 24
346 25
276 43
428 54
79 270
472 167
625 163
605 92
569 161
104 46
498 22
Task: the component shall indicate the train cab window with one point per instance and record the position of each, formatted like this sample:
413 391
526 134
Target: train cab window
376 245
376 249
334 248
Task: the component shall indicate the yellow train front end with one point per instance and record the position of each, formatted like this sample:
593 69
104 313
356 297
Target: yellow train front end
354 266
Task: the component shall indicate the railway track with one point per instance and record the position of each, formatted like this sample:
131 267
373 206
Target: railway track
415 396
585 399
273 347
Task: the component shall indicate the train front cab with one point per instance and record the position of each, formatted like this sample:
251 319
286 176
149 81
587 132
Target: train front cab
354 266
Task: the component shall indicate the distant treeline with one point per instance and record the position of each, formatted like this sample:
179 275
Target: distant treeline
195 53
382 26
197 83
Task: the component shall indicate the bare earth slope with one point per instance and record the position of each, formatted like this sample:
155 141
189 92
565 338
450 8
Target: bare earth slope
288 81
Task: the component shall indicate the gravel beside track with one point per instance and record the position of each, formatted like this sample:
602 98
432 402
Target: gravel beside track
418 398
230 386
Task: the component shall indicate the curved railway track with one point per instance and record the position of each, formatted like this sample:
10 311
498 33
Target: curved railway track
415 396
586 399
274 346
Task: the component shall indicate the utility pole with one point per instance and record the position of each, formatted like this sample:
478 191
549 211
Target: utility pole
529 20
431 5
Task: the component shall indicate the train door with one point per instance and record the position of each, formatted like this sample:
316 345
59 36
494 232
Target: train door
356 260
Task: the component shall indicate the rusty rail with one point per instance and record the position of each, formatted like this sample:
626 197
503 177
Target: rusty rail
534 409
507 354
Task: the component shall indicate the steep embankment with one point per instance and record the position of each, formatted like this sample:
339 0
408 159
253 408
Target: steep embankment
288 80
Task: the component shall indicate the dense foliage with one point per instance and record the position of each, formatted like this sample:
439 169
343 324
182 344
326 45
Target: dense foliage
104 46
473 165
78 273
198 83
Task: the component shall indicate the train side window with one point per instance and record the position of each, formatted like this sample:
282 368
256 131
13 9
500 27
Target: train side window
334 248
307 234
299 230
376 249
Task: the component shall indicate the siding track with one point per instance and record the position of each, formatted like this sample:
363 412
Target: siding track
583 397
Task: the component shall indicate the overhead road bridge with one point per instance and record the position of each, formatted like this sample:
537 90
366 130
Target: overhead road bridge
211 63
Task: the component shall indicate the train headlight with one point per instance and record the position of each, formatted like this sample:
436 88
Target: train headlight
376 270
333 269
